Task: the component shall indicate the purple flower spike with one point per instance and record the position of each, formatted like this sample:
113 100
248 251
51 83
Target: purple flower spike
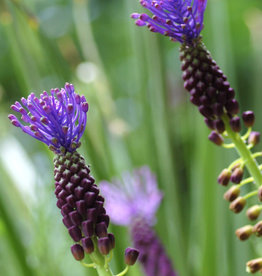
135 196
58 119
134 202
181 20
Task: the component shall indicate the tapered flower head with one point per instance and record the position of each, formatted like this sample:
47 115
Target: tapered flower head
181 20
134 196
133 201
58 119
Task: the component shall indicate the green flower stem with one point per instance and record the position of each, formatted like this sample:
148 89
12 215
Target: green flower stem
102 271
99 260
250 194
245 181
244 152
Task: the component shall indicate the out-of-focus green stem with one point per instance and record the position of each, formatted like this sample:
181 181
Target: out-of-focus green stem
245 153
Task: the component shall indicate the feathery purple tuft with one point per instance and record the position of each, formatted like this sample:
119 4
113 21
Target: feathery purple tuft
181 20
135 196
58 119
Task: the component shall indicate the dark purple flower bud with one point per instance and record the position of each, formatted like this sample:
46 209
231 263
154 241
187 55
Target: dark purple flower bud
219 125
101 230
91 214
88 228
90 198
244 232
237 175
254 138
81 207
254 266
88 245
99 206
75 179
232 193
79 192
235 124
94 189
218 109
248 118
195 100
104 218
209 123
75 218
257 229
169 19
60 203
66 209
224 177
70 187
104 245
205 111
67 222
216 138
232 106
71 200
253 212
238 204
131 255
230 93
78 252
86 184
75 233
112 240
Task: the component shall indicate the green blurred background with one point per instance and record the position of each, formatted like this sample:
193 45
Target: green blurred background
139 114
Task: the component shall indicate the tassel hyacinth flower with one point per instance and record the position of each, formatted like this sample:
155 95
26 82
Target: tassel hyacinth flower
210 91
133 202
58 119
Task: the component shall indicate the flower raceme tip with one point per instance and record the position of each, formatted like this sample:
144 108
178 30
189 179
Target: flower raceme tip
181 20
58 119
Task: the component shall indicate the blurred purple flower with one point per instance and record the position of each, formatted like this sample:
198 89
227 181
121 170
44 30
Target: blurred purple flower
136 196
58 119
133 202
181 20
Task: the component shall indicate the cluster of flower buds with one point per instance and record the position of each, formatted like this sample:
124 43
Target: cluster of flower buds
81 205
237 202
211 93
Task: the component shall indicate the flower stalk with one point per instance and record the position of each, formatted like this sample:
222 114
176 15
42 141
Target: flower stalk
244 152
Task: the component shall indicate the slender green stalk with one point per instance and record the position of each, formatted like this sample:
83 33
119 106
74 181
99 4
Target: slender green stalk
102 271
245 153
100 263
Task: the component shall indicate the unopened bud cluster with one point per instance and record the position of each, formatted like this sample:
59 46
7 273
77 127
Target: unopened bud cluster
81 206
235 175
210 91
208 87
